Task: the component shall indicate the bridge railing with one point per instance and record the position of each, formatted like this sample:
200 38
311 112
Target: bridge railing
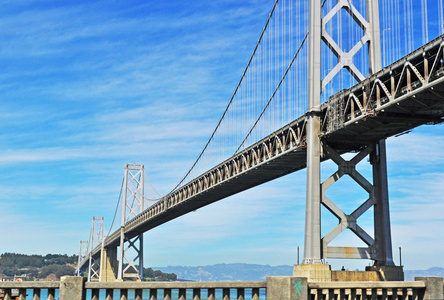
178 290
29 290
274 288
383 290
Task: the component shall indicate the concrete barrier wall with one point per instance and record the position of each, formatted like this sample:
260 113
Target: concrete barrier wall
277 288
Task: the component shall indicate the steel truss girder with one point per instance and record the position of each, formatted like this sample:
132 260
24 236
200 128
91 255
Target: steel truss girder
348 221
378 94
289 138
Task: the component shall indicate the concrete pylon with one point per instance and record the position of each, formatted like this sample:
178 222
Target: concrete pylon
108 264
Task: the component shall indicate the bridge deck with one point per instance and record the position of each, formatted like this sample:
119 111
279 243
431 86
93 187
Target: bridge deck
406 94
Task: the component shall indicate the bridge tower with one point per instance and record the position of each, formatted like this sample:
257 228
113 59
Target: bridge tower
97 238
83 252
133 204
316 247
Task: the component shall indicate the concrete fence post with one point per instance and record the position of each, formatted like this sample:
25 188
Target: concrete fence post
434 287
287 288
72 288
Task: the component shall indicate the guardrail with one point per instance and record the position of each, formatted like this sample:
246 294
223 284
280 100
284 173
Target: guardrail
179 290
274 288
20 289
382 290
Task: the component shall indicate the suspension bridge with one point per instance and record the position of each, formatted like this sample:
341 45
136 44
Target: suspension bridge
324 79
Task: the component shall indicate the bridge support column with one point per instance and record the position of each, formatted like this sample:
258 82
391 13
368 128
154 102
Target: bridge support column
108 264
312 245
383 262
378 159
383 236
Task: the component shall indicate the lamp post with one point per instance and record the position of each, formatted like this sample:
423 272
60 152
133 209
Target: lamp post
383 47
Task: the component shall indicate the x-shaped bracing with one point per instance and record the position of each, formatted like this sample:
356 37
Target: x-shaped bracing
345 59
131 263
347 221
135 207
94 268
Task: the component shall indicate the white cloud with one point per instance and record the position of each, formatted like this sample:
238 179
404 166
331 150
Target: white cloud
84 93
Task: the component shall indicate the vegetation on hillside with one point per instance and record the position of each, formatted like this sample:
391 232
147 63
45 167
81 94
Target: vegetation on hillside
158 275
37 266
53 266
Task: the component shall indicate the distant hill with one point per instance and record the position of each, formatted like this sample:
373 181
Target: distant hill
52 267
252 272
34 267
228 272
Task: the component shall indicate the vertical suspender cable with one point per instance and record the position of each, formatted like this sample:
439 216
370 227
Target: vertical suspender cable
441 16
269 75
398 32
284 54
405 15
410 30
341 74
425 33
392 32
384 26
290 48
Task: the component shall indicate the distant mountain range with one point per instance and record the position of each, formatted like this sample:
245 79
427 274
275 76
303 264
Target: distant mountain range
409 275
252 272
228 272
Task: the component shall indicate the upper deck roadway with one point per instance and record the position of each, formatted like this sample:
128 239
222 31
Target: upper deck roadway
402 96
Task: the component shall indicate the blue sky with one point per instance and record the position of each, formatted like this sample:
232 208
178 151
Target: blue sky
87 86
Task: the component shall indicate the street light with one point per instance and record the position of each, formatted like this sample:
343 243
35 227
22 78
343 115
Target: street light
383 47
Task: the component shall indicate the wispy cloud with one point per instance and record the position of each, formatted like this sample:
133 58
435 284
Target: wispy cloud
82 93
